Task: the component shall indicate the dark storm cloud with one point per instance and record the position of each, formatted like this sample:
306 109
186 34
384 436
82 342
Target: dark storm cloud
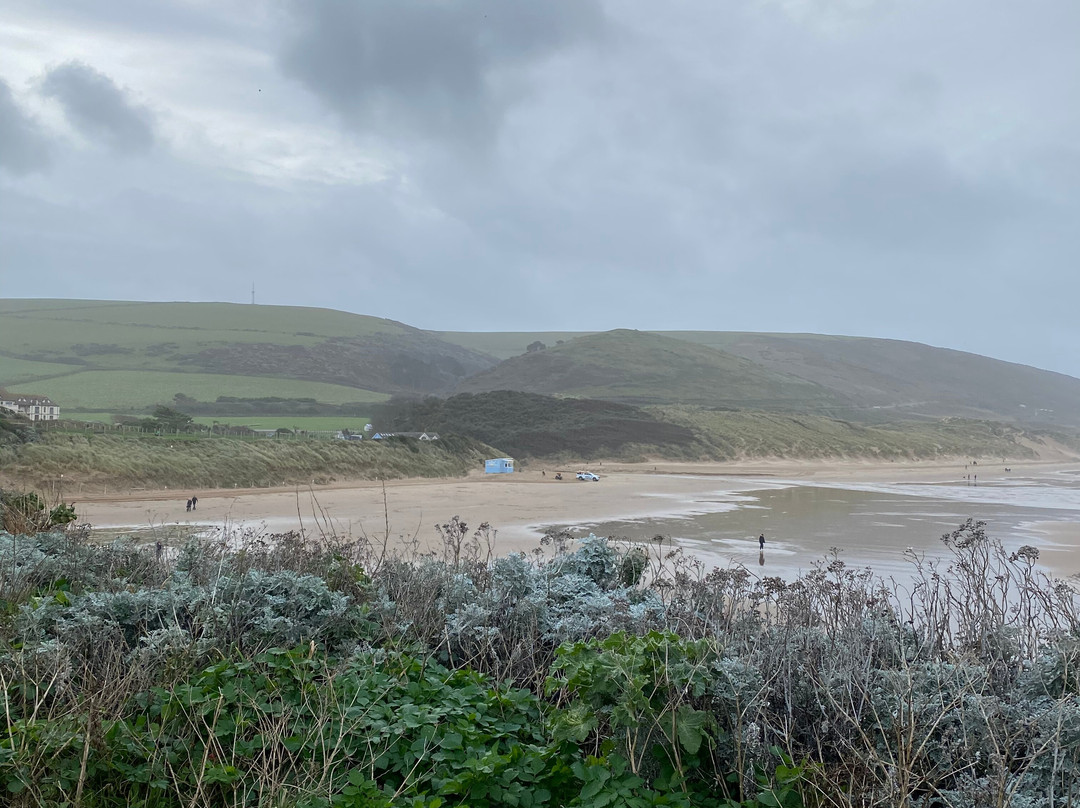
437 70
99 109
24 146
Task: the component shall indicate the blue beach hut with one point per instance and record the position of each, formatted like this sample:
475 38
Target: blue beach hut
499 465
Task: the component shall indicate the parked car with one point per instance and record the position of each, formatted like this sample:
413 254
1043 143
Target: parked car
588 475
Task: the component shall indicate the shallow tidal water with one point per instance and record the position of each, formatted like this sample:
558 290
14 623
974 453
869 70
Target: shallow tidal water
870 524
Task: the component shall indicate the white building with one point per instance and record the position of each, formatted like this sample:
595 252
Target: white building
36 408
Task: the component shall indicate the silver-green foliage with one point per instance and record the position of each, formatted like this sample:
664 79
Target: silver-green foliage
956 686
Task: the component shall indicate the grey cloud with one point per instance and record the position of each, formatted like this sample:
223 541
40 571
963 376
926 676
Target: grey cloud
437 70
841 166
24 146
911 201
165 18
99 109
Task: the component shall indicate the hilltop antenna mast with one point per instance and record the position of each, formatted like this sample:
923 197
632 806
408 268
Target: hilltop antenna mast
252 293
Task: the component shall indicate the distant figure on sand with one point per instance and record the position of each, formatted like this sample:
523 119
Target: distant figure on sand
189 505
761 541
194 502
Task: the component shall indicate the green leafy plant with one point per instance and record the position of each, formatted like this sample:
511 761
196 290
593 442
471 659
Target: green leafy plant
641 695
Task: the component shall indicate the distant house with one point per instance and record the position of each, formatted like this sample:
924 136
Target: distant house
414 435
499 465
36 408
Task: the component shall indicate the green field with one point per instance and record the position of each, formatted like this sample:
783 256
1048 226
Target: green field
188 322
18 371
128 391
156 336
122 357
306 423
46 339
96 417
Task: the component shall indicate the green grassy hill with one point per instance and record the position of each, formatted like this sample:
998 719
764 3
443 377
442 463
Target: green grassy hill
126 356
908 377
507 344
876 380
644 368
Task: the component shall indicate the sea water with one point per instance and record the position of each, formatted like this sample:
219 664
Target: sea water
868 524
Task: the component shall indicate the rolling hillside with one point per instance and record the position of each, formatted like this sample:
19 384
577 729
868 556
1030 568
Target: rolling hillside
125 356
867 379
908 377
643 368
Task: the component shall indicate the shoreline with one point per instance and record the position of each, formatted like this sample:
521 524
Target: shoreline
826 470
517 506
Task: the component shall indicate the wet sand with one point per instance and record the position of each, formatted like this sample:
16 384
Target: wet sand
1059 545
518 505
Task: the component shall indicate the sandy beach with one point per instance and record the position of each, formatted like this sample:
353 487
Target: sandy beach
517 506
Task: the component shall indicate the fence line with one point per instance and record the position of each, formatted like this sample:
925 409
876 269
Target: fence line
98 427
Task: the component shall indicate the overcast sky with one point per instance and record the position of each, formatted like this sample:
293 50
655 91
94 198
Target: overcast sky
891 168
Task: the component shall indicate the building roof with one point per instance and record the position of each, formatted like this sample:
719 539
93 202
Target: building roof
26 398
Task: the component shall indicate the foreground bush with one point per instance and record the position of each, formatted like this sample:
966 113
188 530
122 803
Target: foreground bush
296 728
586 675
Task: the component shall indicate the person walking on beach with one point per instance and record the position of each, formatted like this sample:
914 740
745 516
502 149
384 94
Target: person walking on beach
189 506
761 541
194 502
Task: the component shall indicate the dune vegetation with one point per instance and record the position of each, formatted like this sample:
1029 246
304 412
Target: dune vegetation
201 460
317 671
737 434
533 425
473 427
